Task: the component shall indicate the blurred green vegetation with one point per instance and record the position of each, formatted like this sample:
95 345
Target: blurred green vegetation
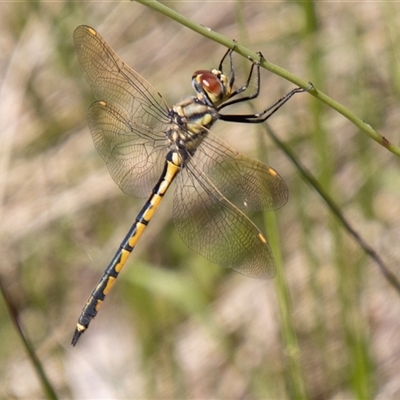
176 326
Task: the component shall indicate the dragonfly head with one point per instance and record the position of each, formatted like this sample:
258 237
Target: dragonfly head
212 86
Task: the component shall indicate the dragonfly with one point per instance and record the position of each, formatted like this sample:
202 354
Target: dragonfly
146 145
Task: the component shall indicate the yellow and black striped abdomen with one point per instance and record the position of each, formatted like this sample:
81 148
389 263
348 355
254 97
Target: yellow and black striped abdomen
171 169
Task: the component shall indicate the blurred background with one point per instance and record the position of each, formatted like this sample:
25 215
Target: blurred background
175 325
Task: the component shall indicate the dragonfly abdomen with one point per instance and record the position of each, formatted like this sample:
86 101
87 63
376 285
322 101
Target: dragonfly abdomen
172 167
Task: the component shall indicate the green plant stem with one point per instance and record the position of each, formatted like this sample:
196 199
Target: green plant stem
30 350
245 52
294 376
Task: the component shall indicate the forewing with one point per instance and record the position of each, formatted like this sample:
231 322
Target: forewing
129 121
115 82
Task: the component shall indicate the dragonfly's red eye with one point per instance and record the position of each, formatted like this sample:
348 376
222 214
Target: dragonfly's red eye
210 83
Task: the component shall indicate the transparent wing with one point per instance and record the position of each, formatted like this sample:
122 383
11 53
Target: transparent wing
116 83
128 124
133 153
245 182
215 228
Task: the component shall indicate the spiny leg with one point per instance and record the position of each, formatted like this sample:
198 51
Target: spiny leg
265 114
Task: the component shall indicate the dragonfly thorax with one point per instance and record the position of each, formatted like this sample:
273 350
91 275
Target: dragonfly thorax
190 121
193 115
